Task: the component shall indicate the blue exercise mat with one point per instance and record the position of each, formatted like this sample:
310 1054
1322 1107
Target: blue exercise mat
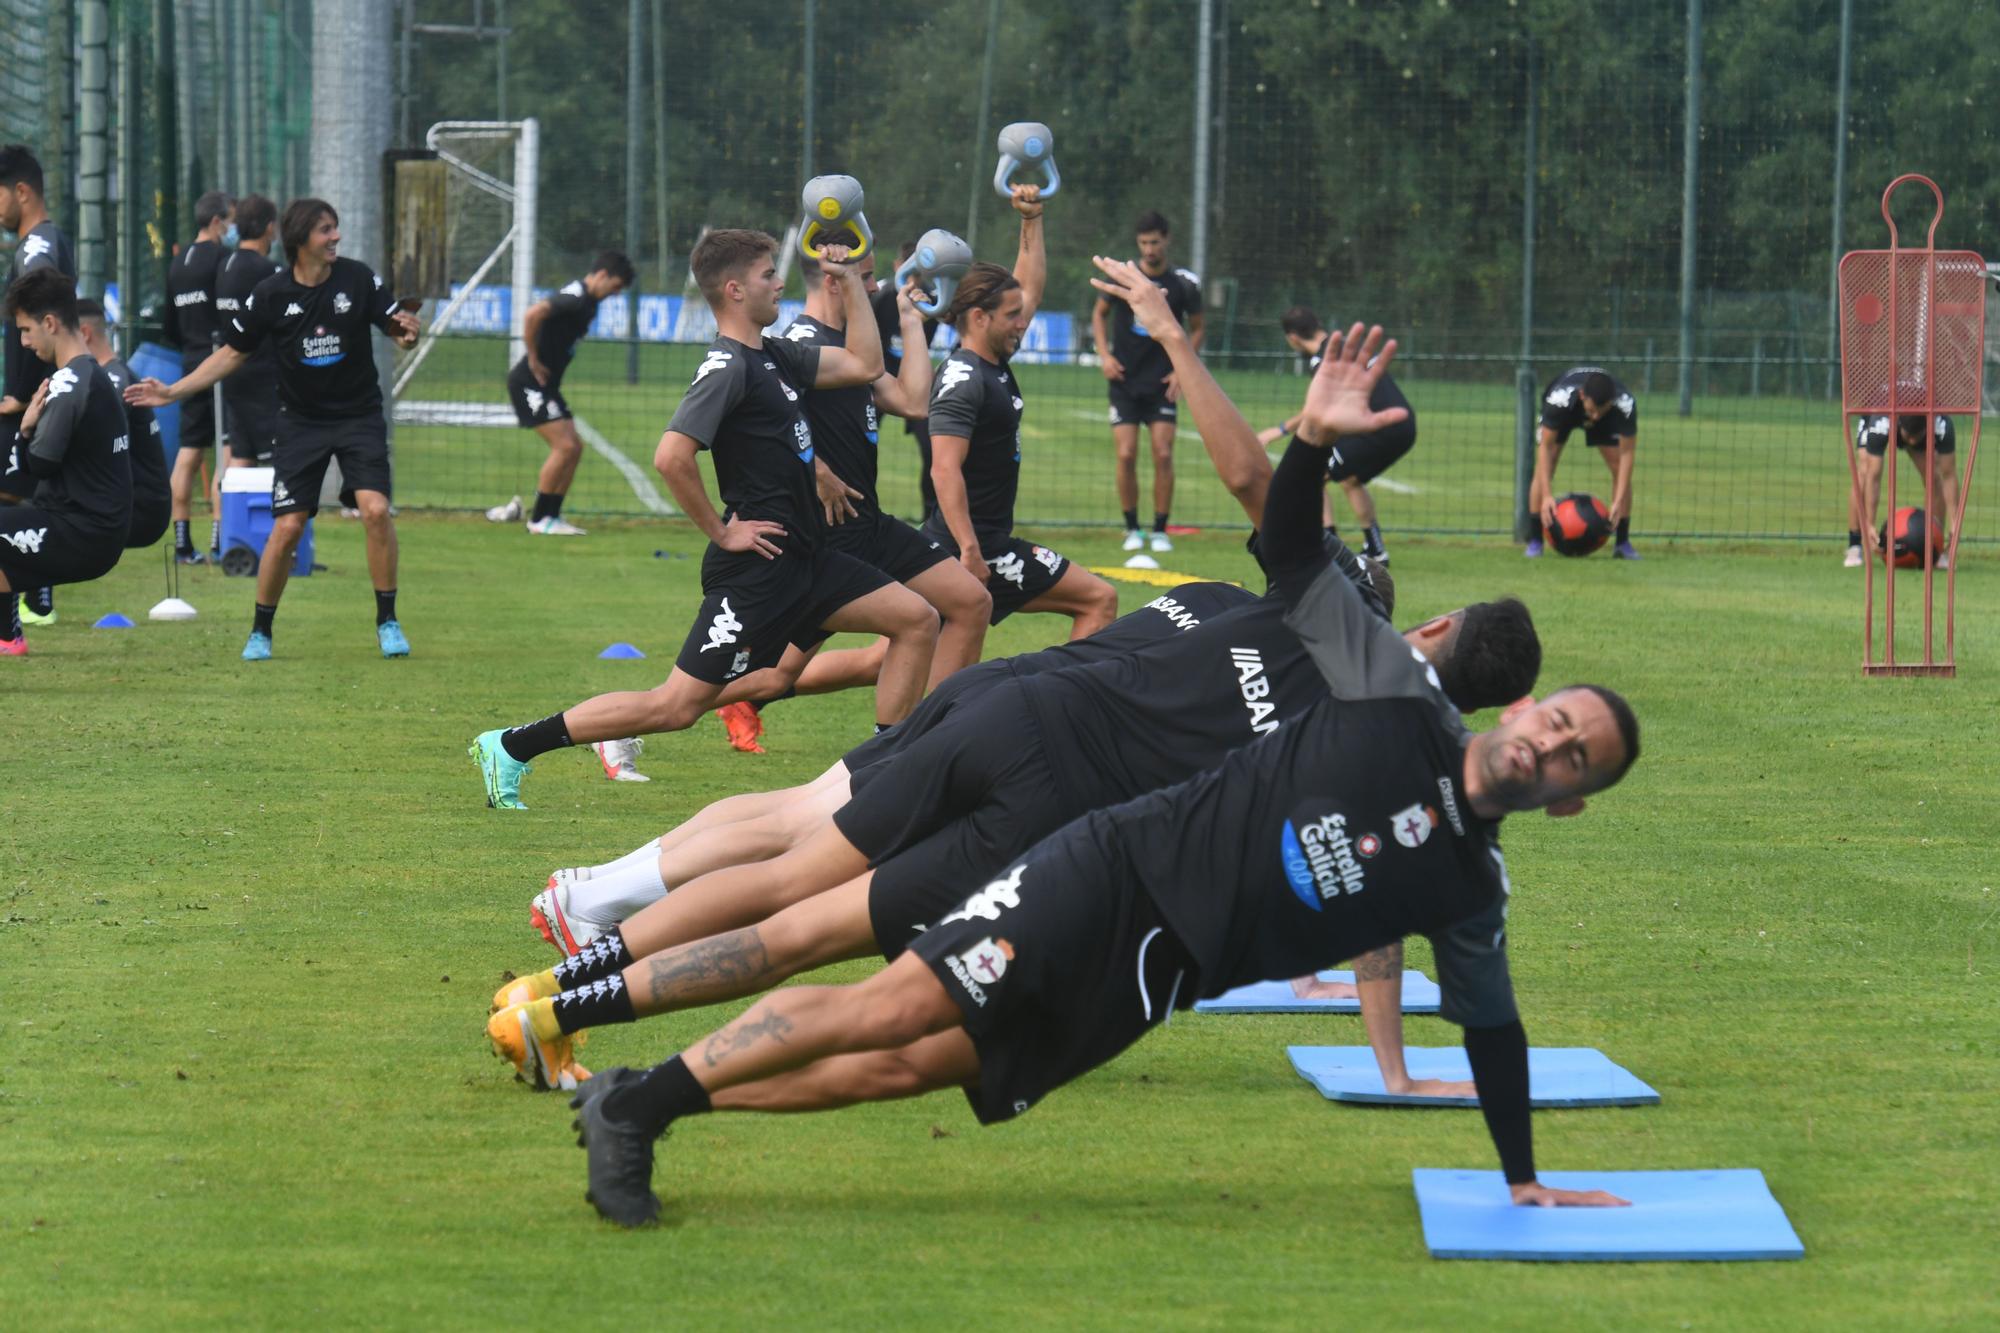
1557 1076
1674 1215
1420 996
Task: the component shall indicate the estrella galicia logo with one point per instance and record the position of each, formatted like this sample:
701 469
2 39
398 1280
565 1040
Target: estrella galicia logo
802 437
1297 872
874 423
321 348
1319 857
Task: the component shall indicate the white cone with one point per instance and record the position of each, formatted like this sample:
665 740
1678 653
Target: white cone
1142 561
171 609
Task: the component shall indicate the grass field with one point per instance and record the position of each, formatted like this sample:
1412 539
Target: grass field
1739 467
251 918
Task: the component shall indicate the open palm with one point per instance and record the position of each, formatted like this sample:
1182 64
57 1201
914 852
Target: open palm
1337 398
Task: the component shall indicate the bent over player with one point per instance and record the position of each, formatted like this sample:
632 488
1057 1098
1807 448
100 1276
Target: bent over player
769 582
1250 871
1589 399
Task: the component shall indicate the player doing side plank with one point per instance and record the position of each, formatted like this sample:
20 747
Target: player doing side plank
1252 870
770 584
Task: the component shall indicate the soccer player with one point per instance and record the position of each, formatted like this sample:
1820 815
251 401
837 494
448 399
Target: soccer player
976 410
888 320
74 444
1357 460
1589 398
250 396
152 497
25 212
1871 441
1273 863
554 327
1142 387
194 325
316 315
769 582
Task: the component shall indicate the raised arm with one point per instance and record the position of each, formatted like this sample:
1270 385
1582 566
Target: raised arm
1232 446
860 361
1031 262
907 393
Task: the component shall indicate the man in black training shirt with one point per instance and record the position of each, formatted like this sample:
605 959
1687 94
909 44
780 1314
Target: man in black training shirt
43 244
553 327
1871 445
888 320
250 396
316 315
1375 817
74 444
1586 398
770 583
194 324
1142 385
976 409
1357 460
151 497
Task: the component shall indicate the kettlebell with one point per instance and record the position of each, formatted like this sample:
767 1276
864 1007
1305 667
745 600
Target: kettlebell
833 206
1027 143
937 264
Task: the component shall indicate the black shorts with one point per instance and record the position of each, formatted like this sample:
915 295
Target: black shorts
889 544
931 711
534 404
1363 458
253 424
1134 404
1875 447
198 412
150 520
39 549
986 765
919 884
1058 965
15 479
304 449
745 627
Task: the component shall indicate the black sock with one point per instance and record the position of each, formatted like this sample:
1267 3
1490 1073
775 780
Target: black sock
43 600
10 616
1131 520
662 1095
1624 530
602 957
1159 522
881 727
183 537
260 623
524 743
1332 531
1371 540
385 606
546 506
215 538
599 1004
1854 536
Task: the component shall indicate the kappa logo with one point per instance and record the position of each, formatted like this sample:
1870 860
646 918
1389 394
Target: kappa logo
1413 824
715 360
574 287
341 303
955 374
1012 568
1450 803
988 903
34 247
1049 560
1561 396
722 631
1625 404
1188 276
534 400
28 541
799 332
293 309
603 988
981 966
61 383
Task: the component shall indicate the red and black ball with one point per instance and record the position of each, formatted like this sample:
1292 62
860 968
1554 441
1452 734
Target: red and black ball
1582 525
1910 529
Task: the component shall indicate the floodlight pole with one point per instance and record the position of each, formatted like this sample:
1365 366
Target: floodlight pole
1525 523
1690 179
635 66
1839 195
1204 112
981 145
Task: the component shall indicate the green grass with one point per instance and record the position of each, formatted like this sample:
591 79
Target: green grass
1739 467
251 917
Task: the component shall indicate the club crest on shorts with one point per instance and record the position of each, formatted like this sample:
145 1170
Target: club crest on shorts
1048 559
980 966
1413 824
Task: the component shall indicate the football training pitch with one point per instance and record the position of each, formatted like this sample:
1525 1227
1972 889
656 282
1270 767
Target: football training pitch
252 916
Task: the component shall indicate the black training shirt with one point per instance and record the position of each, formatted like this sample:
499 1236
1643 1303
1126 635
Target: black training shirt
973 398
571 310
44 246
1145 361
192 319
255 383
1562 406
142 431
326 359
82 434
744 408
846 424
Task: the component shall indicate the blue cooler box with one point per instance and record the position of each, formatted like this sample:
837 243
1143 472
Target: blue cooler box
246 519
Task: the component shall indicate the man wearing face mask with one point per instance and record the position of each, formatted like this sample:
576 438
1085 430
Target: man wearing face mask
250 396
193 325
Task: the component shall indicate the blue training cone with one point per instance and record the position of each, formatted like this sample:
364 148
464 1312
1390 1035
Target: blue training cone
113 621
620 650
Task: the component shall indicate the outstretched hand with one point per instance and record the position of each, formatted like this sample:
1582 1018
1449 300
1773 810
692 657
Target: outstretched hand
1123 281
148 393
1337 399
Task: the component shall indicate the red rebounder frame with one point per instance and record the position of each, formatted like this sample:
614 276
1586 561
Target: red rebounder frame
1912 339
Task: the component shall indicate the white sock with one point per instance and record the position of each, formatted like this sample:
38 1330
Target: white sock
610 896
646 851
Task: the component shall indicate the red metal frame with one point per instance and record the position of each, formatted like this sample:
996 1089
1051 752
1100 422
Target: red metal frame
1912 338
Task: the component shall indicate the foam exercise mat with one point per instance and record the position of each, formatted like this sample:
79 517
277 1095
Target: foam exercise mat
1557 1076
1674 1215
1420 996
